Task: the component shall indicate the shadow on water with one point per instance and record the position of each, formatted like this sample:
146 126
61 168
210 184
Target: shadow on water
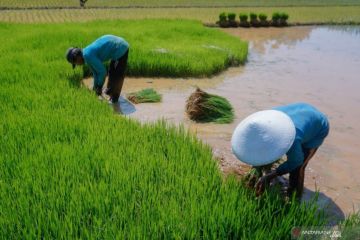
124 107
332 210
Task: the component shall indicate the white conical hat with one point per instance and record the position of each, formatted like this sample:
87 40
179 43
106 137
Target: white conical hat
263 137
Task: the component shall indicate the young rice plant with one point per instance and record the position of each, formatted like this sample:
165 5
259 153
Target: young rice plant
71 169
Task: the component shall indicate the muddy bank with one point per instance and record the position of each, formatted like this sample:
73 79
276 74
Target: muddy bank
300 64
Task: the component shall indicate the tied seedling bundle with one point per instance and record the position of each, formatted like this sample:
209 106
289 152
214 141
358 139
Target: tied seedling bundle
204 107
144 96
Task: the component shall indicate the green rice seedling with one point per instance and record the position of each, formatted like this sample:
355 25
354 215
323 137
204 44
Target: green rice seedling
275 18
353 220
148 95
184 42
263 17
252 177
205 107
283 17
243 17
263 20
350 227
231 16
71 169
222 17
253 20
244 20
223 20
232 22
253 16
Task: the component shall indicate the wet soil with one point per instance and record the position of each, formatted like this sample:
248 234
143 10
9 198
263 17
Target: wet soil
317 65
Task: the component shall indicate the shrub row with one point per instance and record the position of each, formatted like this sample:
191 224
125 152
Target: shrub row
278 19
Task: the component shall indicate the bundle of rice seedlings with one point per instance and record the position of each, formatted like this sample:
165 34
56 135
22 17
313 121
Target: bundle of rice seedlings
204 107
251 178
144 96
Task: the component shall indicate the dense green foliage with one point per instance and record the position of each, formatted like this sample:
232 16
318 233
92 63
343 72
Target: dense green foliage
243 17
276 16
253 16
144 96
222 17
72 169
284 16
262 17
166 48
231 16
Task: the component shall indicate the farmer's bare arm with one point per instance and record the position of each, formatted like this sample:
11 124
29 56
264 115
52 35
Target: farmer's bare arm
260 185
312 152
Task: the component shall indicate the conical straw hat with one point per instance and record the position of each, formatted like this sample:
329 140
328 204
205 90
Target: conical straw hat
263 137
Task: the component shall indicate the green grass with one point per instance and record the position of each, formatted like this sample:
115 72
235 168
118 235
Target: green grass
70 168
350 227
166 48
352 221
148 95
188 3
342 14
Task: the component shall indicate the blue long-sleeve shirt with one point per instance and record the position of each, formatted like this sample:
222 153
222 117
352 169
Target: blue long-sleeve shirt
312 127
107 47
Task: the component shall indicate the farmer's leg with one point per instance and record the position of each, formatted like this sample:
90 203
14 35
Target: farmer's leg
293 180
297 177
116 77
110 83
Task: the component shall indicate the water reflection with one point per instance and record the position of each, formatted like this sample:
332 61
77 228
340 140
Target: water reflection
261 39
353 30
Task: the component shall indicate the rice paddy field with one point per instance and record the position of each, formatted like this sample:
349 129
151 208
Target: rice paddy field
329 14
71 169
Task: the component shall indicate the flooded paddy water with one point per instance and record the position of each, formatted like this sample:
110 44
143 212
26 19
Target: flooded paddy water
317 65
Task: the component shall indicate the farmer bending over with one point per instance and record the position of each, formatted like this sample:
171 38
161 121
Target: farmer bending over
107 47
264 137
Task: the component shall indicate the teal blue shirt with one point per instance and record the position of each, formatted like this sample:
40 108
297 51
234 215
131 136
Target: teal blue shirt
312 127
107 47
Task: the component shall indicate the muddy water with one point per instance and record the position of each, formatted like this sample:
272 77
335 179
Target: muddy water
319 65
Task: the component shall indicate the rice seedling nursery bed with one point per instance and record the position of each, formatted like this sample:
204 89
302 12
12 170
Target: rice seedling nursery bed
70 168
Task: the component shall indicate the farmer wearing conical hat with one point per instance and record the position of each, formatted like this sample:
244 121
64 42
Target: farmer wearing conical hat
105 48
296 130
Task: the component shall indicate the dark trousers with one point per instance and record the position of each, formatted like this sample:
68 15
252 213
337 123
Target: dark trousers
296 177
116 77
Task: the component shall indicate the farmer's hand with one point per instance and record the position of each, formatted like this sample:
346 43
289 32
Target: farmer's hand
263 181
260 185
